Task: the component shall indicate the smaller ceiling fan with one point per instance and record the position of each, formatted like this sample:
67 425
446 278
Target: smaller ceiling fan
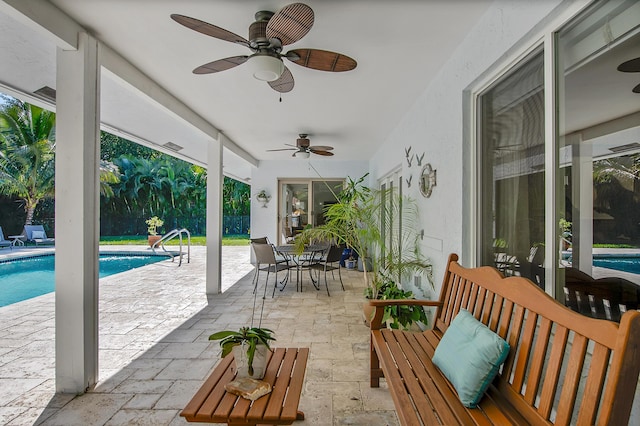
632 65
303 148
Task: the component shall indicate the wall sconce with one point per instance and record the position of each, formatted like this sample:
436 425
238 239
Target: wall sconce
263 198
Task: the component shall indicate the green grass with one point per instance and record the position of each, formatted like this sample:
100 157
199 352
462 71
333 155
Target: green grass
196 240
613 246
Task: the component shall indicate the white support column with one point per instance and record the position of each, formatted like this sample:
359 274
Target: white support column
77 216
214 216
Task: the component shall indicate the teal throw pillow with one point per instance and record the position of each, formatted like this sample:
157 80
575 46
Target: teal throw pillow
469 355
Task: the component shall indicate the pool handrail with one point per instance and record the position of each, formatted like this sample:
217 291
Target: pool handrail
171 235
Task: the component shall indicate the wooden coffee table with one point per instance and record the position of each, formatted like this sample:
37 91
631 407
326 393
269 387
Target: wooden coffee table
285 372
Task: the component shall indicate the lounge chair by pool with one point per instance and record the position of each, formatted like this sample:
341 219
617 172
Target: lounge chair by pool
36 234
3 242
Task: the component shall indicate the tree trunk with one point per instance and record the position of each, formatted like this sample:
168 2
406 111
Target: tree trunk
31 208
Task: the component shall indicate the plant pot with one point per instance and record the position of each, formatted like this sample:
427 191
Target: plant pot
367 313
367 262
154 239
242 361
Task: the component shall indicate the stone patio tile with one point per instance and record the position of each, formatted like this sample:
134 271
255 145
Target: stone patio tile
179 394
365 418
319 370
110 380
33 416
316 409
143 401
38 348
376 398
350 370
142 417
7 414
41 399
322 350
187 369
29 368
180 350
88 410
116 358
132 386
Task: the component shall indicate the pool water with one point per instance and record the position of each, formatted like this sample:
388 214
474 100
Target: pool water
619 263
23 279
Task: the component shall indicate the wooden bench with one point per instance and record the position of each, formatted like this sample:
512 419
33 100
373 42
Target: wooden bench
285 372
562 367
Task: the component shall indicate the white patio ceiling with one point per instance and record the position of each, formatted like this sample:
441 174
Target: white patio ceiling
399 47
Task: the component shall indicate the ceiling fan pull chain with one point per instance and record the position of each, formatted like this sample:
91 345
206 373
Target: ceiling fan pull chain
280 97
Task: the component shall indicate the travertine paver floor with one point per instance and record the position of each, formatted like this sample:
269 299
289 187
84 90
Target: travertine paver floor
154 351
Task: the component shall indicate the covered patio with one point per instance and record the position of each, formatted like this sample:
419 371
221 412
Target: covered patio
154 352
423 71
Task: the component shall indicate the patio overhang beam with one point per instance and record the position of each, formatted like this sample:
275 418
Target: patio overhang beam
46 19
56 25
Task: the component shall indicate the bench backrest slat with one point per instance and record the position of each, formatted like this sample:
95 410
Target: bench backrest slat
572 380
537 362
550 383
562 367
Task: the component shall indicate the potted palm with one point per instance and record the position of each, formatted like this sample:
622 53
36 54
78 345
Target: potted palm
355 220
152 228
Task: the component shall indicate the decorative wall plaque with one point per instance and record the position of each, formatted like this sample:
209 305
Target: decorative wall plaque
427 180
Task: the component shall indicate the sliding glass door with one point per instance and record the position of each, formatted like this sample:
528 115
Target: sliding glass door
302 203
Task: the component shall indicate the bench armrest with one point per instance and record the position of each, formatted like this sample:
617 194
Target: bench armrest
379 305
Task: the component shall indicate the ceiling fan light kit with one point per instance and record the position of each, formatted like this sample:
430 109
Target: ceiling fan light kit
301 154
265 67
267 35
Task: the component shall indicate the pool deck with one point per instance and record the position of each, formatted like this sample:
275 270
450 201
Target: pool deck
154 352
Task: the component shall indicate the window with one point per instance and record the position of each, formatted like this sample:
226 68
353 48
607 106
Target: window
598 186
391 216
511 155
590 195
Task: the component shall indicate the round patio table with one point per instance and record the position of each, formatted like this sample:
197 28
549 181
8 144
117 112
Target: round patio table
310 255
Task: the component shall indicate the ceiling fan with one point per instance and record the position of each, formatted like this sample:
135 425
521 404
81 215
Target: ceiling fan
632 65
267 35
303 149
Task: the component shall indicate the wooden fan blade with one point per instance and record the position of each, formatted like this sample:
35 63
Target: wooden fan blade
325 153
291 23
322 60
321 147
209 29
632 65
285 83
636 89
220 65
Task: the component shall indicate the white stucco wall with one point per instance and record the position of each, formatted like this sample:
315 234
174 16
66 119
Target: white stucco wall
264 221
434 125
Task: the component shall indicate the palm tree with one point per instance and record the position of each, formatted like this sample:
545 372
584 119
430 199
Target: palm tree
27 146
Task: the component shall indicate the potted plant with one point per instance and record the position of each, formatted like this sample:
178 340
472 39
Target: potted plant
250 346
152 227
399 316
355 220
263 198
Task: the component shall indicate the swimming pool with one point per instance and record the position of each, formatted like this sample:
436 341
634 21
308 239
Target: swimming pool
626 263
24 278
